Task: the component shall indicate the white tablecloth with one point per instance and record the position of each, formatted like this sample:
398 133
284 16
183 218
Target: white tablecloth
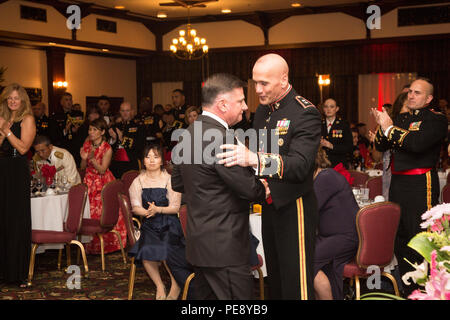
49 213
255 228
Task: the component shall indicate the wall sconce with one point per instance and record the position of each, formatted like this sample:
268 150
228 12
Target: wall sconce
324 80
60 84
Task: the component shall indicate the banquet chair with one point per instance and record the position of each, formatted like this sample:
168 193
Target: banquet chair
108 219
127 179
446 193
76 202
360 178
125 205
182 214
377 227
375 185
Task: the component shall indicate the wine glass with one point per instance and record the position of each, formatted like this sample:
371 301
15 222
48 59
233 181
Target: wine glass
32 183
64 182
39 186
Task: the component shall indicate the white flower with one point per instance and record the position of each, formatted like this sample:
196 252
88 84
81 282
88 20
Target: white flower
435 213
446 248
420 273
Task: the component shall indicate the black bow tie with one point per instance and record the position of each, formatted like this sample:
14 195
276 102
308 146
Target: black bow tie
48 160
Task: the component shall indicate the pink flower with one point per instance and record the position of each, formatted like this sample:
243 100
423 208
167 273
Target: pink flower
437 287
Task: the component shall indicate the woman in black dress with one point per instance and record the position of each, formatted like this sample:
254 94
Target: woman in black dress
17 131
337 238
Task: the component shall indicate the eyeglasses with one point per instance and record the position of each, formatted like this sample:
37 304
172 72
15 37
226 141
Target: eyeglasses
14 98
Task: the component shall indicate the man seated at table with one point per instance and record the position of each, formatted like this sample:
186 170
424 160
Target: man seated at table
63 161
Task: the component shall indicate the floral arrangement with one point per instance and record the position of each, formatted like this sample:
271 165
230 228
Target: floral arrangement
434 246
48 172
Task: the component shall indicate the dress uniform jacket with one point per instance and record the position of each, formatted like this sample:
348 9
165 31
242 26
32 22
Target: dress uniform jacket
415 141
61 119
127 152
150 125
289 223
46 126
340 136
61 158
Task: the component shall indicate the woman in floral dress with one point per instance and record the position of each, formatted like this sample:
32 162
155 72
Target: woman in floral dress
96 156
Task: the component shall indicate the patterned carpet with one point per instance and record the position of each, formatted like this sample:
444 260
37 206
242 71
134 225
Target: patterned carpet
52 284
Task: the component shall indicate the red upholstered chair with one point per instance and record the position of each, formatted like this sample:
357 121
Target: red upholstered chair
127 179
446 193
125 205
360 178
182 214
375 185
76 202
108 219
377 226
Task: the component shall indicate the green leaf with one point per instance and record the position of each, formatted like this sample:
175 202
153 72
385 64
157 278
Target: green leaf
422 245
380 296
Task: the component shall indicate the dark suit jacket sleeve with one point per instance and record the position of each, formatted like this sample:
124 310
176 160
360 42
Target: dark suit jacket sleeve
296 166
243 182
177 179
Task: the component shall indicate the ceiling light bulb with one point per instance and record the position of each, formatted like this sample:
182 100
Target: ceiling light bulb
203 41
205 48
226 10
175 41
296 5
193 32
182 33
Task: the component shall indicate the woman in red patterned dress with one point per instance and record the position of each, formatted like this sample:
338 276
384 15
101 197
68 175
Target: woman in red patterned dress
96 156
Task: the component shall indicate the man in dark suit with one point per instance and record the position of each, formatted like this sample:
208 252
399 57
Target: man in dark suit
290 219
217 197
336 135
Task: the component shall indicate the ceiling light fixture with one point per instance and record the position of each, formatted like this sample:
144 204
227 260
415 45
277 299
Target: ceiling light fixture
226 10
119 7
189 46
161 15
296 4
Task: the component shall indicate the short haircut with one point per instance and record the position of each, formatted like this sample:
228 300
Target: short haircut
100 124
158 107
217 84
180 91
429 82
103 97
42 140
66 94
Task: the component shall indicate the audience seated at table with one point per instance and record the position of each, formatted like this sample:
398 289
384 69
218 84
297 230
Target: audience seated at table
152 197
337 239
96 156
61 159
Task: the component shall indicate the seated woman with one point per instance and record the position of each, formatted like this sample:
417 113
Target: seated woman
96 156
152 197
337 238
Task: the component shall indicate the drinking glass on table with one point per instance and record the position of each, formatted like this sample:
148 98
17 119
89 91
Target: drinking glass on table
39 186
32 183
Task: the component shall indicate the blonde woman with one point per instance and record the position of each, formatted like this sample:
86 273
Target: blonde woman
17 132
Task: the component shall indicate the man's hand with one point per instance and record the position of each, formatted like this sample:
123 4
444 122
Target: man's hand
266 185
326 143
382 118
237 155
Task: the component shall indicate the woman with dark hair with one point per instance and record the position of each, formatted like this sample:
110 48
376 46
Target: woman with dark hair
152 197
17 131
337 239
96 156
92 113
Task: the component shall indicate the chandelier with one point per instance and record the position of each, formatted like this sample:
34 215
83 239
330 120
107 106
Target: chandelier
189 46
